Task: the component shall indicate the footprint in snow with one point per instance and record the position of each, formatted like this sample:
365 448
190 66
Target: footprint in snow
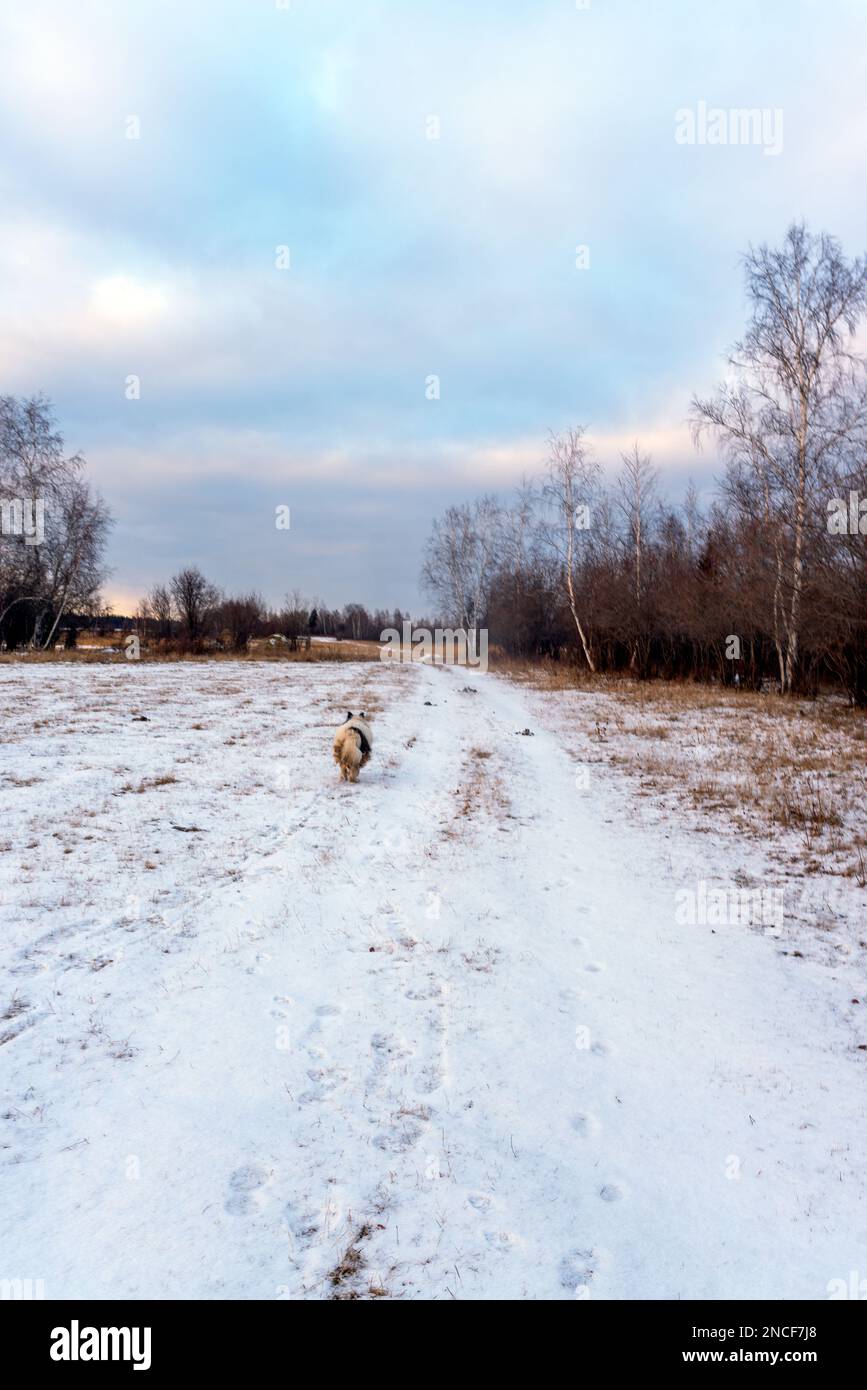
501 1240
585 1125
570 994
429 1079
327 1078
302 1226
595 967
327 1010
399 1140
247 1189
577 1270
611 1192
480 1200
387 1051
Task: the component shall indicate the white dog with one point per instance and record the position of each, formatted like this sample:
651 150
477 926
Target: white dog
353 743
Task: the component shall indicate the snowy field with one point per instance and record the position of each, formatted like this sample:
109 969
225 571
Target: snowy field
442 1035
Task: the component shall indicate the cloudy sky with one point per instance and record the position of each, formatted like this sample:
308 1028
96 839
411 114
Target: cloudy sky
307 126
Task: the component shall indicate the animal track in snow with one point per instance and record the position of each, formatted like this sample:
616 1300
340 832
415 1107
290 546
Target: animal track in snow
569 998
261 961
578 1268
308 1097
429 1079
399 1139
386 1048
480 1200
502 1240
595 967
247 1189
327 1078
611 1192
303 1226
585 1125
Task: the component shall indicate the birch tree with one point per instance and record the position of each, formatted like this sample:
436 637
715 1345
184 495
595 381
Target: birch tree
571 488
461 559
795 401
636 494
62 569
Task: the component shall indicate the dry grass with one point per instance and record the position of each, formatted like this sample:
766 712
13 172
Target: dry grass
16 1006
147 783
345 1277
106 653
767 767
481 791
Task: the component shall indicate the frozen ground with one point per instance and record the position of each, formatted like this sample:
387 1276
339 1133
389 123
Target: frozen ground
439 1035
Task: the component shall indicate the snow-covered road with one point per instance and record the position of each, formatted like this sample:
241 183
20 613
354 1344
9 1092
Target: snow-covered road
438 1035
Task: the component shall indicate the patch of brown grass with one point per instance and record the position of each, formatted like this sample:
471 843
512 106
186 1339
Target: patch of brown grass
480 790
344 1277
764 766
147 783
319 652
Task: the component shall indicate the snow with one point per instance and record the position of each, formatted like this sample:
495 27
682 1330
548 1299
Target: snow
437 1035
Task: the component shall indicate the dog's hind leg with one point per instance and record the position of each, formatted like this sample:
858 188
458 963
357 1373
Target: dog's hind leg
352 755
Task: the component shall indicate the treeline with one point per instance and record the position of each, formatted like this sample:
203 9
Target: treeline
189 613
768 582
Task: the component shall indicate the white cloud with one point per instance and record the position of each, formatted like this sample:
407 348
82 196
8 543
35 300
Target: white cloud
119 301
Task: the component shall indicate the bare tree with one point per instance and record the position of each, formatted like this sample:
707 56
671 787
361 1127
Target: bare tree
73 550
194 597
572 487
294 617
240 618
45 576
461 559
144 617
355 619
796 400
635 497
159 604
636 487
